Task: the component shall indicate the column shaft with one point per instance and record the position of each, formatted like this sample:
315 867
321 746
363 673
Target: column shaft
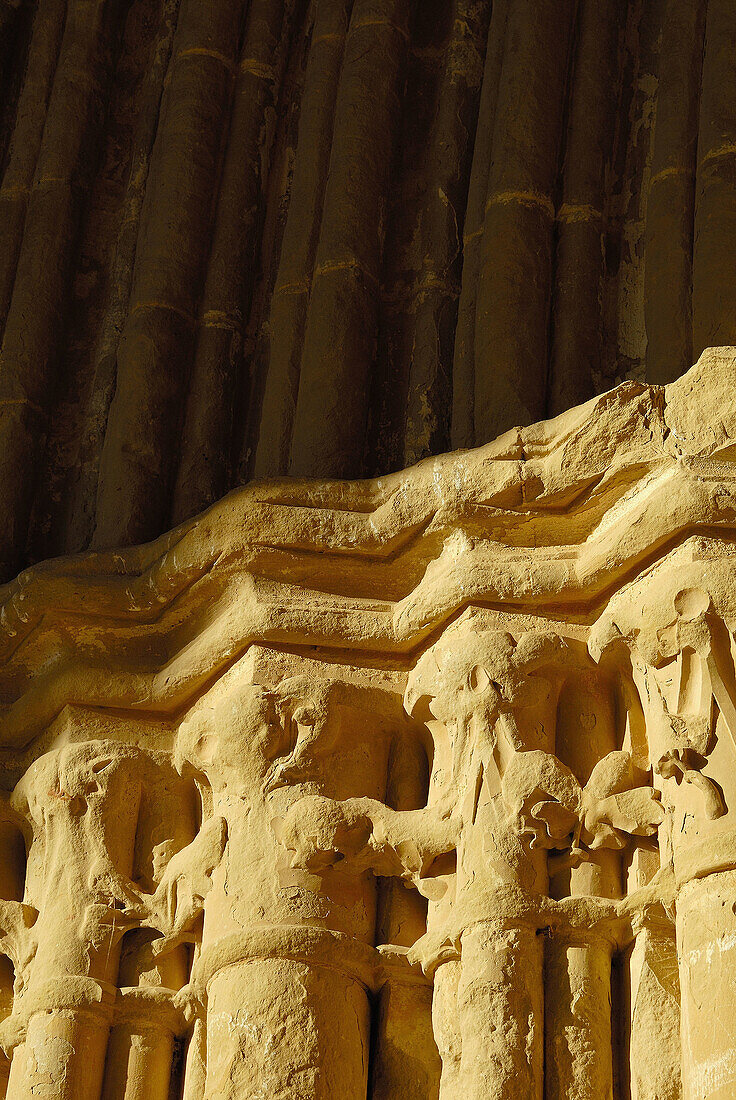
141 1043
139 1061
577 313
714 267
514 289
25 142
671 200
233 264
63 1056
290 299
706 943
339 341
195 1064
286 1029
463 372
500 1009
405 1061
33 326
446 1027
4 1074
579 1055
79 522
654 1047
136 467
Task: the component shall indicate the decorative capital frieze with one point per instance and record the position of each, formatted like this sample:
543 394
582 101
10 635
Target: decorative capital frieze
484 708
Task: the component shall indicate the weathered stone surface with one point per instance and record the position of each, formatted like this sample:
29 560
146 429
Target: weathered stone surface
419 787
334 237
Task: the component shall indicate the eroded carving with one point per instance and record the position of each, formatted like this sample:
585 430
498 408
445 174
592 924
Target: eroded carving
480 714
499 799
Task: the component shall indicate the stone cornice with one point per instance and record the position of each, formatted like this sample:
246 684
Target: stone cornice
548 519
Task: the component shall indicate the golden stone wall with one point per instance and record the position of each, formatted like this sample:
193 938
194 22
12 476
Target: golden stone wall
403 789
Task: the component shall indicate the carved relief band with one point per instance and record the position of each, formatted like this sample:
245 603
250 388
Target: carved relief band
419 788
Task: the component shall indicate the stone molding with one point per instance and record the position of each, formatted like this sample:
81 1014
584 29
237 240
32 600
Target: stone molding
340 769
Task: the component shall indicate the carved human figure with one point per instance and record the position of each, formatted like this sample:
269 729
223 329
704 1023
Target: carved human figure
275 950
498 799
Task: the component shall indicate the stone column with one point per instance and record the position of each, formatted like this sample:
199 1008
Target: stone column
578 1040
681 652
405 1060
63 1054
446 1026
7 977
489 701
706 938
578 1017
406 1063
82 801
500 1007
146 1023
654 1046
195 1063
275 1022
152 969
141 1047
496 1027
287 954
516 800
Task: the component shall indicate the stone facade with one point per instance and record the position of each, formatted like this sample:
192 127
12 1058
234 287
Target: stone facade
408 789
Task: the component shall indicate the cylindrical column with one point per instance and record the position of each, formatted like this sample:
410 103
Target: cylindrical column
463 368
512 318
139 1061
406 1064
430 266
332 405
670 206
141 1046
578 320
34 326
714 264
446 1027
286 957
579 1054
406 1060
63 1055
706 942
301 235
118 281
233 264
500 1010
275 1023
195 1063
83 800
654 996
7 976
25 141
137 462
577 994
